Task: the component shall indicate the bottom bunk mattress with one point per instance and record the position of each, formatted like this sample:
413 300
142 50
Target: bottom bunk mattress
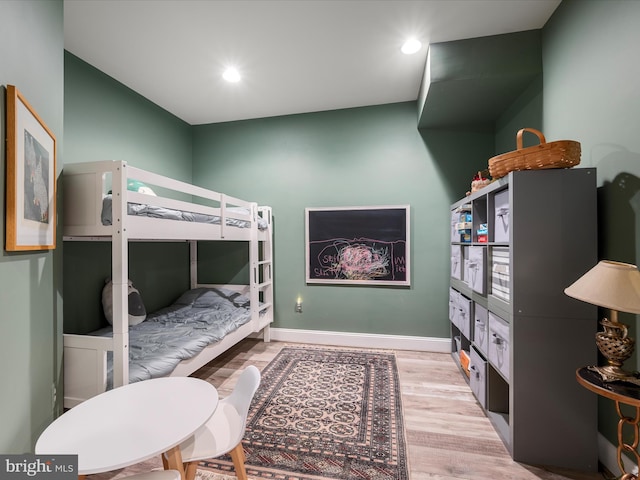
198 318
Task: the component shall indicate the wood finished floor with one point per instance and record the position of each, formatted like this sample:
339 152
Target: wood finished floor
448 435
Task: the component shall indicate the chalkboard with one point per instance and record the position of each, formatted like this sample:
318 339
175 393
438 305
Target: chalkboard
359 245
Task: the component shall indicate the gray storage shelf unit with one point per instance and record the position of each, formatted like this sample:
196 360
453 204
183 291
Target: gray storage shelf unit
547 235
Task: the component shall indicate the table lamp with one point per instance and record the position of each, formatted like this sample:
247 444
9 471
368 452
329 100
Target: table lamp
616 286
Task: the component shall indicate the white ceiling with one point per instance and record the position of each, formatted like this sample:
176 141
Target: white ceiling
295 56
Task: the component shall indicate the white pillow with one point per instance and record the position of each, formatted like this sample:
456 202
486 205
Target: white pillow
137 312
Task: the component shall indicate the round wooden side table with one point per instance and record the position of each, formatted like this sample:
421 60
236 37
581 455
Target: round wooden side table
621 393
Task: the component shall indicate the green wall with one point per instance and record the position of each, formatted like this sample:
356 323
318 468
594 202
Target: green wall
364 156
526 111
104 120
31 46
591 94
355 157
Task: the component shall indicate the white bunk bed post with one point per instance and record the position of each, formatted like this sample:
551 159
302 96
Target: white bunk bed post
223 215
120 276
254 268
263 272
193 263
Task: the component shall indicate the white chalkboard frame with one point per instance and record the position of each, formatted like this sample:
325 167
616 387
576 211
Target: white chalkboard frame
367 245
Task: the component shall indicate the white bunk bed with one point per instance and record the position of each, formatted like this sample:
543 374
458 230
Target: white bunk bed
86 185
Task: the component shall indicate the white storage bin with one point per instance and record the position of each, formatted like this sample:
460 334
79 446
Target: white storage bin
455 236
465 312
478 377
456 262
465 262
500 274
501 217
481 328
475 272
499 344
453 306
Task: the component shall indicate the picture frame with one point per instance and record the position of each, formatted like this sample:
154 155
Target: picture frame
30 178
358 245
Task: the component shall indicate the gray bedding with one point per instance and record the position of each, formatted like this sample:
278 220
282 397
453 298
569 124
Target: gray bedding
161 212
198 318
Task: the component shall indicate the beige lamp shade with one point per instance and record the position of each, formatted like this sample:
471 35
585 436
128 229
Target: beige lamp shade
609 284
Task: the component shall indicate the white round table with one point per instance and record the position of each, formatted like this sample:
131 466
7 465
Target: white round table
132 423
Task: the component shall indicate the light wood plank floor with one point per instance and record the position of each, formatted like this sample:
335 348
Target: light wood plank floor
448 435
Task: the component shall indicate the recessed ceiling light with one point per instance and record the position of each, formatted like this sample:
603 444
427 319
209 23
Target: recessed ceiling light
231 75
411 46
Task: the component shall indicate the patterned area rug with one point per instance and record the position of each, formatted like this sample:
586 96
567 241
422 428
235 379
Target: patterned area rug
323 414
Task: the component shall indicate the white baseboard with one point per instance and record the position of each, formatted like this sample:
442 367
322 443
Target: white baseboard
608 456
366 340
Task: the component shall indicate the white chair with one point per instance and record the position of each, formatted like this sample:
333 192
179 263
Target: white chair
223 432
156 475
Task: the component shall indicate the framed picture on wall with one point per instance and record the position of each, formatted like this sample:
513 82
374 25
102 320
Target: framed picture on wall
358 245
31 178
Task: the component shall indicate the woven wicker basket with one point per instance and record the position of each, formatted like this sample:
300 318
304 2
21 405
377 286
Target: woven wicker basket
558 154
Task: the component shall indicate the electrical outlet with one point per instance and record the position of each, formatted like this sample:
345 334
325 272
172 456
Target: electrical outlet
54 395
298 308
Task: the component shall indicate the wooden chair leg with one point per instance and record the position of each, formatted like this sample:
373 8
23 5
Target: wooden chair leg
173 459
190 470
237 455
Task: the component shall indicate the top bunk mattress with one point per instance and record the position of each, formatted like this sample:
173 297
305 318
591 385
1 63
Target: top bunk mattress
145 200
143 210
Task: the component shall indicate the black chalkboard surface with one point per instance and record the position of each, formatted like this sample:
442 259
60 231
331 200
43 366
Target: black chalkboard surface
362 245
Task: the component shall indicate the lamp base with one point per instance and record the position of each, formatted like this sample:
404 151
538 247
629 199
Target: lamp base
611 373
616 346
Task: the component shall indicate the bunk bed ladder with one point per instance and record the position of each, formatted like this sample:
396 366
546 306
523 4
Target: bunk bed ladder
261 257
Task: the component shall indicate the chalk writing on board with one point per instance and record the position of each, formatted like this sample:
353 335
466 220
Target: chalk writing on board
359 259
